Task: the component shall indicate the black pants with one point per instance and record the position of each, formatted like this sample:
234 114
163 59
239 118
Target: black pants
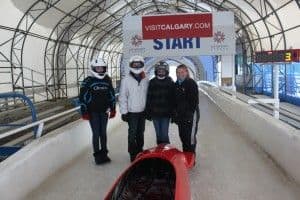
98 122
136 124
187 132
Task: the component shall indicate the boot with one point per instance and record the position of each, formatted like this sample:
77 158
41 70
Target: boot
101 157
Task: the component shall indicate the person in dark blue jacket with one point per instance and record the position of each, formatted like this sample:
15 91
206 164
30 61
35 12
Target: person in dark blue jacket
97 98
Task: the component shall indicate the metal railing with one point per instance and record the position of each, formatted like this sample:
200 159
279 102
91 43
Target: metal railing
39 124
287 115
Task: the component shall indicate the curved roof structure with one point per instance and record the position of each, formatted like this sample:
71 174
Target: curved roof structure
64 35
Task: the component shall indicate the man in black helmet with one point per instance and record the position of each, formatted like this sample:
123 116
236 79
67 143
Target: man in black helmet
160 101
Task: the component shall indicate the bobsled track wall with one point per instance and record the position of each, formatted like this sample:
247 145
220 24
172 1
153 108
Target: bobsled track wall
279 140
34 163
43 157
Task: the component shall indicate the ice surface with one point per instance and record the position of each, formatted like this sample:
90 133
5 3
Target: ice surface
229 166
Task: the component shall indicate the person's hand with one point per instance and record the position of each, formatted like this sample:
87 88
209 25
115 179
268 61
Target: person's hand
124 117
85 116
112 114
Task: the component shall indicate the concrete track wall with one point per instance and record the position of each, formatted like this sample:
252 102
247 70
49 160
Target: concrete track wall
28 168
276 138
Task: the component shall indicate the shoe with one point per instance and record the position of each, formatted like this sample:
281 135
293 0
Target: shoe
101 157
102 160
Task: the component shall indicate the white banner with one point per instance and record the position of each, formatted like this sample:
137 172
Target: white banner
221 42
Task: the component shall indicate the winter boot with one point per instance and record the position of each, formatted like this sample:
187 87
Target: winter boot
101 157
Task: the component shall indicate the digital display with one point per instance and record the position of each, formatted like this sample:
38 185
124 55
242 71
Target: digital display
292 55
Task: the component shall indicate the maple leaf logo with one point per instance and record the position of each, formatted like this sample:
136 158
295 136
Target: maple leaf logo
219 37
136 40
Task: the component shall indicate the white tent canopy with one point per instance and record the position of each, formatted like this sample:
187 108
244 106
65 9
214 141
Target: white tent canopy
55 39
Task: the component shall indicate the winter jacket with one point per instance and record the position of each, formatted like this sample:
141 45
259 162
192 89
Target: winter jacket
133 93
160 98
97 95
187 99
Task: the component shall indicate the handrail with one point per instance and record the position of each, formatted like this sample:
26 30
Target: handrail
24 98
39 123
288 114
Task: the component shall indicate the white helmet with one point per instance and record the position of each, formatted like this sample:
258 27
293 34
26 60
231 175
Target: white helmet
140 67
98 63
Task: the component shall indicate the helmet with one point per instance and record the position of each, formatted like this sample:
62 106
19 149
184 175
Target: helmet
98 63
161 65
136 64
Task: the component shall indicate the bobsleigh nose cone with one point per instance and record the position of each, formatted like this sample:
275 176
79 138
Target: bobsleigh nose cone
189 159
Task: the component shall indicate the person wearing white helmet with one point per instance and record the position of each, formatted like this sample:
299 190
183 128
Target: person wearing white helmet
132 101
97 98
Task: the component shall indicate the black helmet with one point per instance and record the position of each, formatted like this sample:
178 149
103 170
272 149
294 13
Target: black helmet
161 65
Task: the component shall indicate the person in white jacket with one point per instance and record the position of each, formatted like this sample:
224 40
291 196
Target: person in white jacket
132 100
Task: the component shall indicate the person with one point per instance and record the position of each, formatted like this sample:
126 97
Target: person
132 101
186 113
160 98
97 98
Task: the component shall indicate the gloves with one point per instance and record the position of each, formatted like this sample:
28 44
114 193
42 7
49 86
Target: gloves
112 114
124 117
148 117
85 116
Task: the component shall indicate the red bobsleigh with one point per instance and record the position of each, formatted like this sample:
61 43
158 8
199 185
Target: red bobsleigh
160 173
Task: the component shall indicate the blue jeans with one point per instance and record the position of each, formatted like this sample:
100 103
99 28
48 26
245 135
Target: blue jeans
98 122
161 126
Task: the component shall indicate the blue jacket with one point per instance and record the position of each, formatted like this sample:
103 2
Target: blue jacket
97 95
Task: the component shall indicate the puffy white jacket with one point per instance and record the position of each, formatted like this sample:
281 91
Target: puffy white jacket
132 96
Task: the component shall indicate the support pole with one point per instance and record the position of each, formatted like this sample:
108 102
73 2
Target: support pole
276 90
233 73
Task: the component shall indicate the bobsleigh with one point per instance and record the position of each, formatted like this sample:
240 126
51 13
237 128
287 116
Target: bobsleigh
160 173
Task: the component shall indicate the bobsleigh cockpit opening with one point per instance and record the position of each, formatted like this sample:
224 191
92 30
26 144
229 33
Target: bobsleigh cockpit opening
148 179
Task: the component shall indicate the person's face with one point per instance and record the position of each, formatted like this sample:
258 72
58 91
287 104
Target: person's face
99 69
182 73
161 72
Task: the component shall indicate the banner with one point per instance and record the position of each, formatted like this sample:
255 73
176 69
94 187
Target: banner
179 35
173 26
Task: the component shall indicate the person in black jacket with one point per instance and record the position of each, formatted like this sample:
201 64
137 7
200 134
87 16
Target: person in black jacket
160 98
186 114
97 98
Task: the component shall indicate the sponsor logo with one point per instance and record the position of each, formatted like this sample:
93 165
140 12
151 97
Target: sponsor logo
219 37
136 40
177 26
95 88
